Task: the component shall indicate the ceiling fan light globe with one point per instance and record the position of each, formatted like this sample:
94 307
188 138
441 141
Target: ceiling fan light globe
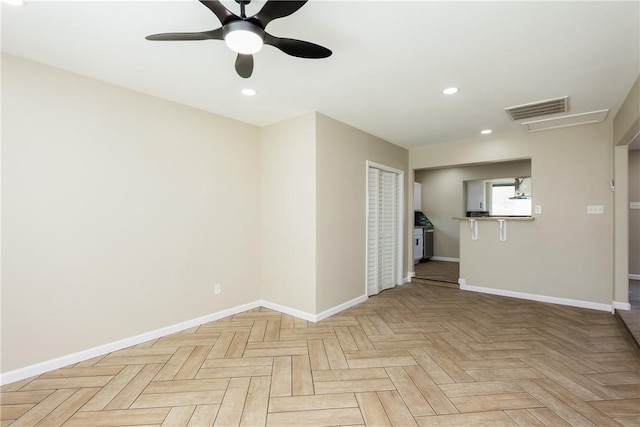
243 37
244 42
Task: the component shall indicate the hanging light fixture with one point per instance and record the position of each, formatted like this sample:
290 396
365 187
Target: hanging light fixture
243 37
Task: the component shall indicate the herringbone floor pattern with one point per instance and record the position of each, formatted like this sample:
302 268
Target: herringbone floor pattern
439 271
414 355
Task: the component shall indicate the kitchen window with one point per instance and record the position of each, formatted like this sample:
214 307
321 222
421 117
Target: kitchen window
503 202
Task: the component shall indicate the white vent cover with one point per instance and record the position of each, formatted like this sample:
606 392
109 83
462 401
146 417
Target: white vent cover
537 109
566 121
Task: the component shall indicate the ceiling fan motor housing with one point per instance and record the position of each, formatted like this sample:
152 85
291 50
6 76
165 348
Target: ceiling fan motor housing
243 36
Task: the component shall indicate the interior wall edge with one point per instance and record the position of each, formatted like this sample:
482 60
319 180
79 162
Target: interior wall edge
626 123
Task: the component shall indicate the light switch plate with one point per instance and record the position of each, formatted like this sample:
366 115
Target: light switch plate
634 205
595 209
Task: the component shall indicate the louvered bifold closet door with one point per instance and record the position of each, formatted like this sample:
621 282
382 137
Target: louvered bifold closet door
383 220
388 229
372 231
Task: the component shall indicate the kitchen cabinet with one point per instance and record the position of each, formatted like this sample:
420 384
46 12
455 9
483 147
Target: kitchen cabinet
417 196
476 196
418 245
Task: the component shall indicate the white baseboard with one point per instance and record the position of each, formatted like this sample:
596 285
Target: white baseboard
535 297
407 279
288 310
313 317
442 258
50 365
634 276
622 305
340 307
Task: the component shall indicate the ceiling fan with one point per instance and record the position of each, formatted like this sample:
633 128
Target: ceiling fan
246 35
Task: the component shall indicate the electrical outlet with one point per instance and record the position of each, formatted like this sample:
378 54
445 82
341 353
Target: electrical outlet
537 209
595 209
217 288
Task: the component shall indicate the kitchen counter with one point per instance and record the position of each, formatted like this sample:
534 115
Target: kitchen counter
494 218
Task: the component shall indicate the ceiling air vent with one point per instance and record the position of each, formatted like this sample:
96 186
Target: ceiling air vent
566 121
537 109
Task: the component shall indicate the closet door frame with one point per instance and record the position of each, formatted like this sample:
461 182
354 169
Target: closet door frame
399 232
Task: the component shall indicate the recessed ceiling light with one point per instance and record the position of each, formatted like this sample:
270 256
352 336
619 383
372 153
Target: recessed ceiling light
486 131
450 90
248 92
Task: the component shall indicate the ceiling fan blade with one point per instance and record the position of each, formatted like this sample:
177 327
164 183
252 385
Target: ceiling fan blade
277 9
219 10
201 35
244 65
298 48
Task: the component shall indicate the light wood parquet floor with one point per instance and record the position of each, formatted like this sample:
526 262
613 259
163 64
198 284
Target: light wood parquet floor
631 318
415 355
440 271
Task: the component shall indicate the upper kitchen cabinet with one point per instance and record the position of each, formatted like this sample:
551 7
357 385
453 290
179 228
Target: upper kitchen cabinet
417 196
476 196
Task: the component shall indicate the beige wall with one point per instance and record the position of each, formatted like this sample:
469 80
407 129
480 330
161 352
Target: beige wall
443 197
634 215
120 212
313 210
288 194
626 124
342 153
568 253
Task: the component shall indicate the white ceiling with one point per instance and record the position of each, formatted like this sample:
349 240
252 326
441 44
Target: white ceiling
390 62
